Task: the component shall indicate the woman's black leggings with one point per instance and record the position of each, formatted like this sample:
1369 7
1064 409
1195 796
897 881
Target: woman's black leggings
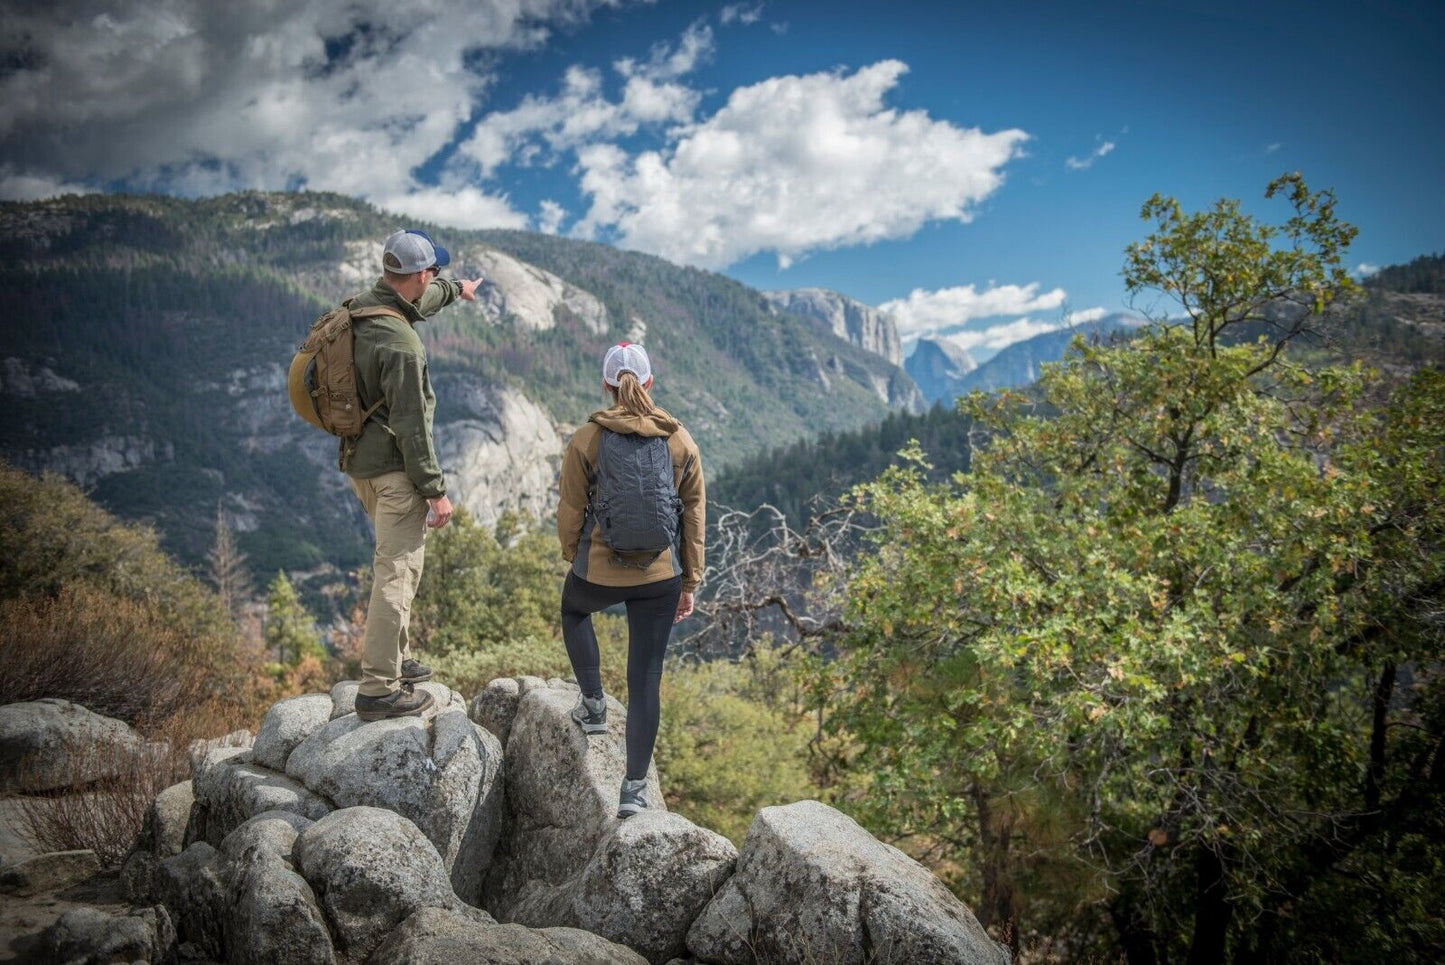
650 609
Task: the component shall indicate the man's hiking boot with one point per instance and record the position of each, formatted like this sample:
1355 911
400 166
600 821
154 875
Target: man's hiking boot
413 672
399 703
633 798
591 713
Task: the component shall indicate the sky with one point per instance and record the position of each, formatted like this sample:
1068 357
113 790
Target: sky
974 168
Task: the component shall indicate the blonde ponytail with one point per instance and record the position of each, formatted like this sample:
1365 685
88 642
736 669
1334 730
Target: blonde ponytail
632 396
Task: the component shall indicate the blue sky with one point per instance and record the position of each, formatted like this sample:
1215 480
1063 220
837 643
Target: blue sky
977 168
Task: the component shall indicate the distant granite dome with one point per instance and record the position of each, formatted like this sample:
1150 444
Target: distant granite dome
863 325
938 366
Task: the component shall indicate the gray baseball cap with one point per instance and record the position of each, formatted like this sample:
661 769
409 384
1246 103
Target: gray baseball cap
409 251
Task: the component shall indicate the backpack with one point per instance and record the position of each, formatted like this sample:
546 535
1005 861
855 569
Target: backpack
633 498
322 380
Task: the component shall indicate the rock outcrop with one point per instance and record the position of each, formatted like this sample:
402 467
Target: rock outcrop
529 296
647 882
811 884
435 936
938 367
371 869
440 771
162 836
419 840
849 319
49 744
561 801
501 449
92 935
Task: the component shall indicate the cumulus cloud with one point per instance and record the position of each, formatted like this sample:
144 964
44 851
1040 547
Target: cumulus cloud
924 312
549 221
997 337
990 339
1084 163
1364 270
540 127
195 96
456 206
790 165
1085 315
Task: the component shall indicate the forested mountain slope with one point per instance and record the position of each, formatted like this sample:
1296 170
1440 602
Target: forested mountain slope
1393 331
146 352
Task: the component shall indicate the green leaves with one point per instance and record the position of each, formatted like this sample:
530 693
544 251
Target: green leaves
1153 600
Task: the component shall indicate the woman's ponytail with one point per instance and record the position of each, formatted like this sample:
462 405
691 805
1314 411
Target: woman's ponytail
632 396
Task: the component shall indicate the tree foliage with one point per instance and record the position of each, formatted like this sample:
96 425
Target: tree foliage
1169 609
290 631
485 587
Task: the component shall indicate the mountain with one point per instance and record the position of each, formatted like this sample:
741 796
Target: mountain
1394 332
147 353
1018 364
938 366
847 318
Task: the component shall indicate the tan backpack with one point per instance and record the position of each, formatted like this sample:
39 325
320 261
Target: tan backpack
322 381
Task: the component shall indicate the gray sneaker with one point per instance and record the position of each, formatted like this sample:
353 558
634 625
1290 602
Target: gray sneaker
591 713
633 798
399 703
413 672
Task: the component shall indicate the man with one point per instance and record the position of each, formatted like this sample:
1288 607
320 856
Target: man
393 464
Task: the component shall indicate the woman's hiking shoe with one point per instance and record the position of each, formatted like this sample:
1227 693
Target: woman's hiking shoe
633 798
591 713
399 703
413 672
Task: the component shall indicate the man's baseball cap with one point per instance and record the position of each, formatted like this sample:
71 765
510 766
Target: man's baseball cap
409 251
626 357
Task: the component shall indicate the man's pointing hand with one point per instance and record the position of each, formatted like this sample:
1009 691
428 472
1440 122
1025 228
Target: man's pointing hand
469 288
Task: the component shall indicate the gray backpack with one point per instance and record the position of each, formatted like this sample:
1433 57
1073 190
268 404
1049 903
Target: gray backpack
633 498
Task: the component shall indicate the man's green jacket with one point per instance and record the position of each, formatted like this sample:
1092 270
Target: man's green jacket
391 368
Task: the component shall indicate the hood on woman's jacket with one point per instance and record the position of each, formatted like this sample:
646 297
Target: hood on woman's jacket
618 419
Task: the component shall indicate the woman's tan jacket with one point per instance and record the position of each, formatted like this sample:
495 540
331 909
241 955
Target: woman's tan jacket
591 559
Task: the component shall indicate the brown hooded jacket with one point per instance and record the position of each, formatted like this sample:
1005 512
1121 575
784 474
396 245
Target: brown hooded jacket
591 559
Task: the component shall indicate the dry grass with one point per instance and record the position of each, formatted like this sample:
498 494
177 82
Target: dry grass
115 656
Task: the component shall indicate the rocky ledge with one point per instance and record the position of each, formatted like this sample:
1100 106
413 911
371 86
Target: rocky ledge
488 834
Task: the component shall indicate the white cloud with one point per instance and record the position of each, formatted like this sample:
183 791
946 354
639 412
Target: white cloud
997 337
669 63
1271 148
29 187
455 207
743 13
549 222
1084 163
925 312
198 96
1085 315
1364 270
581 114
790 165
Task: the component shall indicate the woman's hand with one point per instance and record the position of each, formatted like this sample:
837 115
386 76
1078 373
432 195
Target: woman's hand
684 606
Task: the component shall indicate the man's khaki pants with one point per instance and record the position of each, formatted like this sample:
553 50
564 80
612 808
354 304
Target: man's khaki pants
398 512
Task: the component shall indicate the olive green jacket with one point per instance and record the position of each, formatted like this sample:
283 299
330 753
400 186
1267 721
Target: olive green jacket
391 368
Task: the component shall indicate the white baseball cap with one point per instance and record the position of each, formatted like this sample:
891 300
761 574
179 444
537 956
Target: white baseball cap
626 357
409 251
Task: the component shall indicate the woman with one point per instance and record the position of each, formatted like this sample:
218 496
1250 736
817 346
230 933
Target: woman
631 519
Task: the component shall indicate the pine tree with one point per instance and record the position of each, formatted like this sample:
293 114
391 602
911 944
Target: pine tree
290 630
227 568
